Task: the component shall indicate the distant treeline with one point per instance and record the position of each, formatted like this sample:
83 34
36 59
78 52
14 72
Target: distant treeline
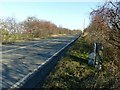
29 29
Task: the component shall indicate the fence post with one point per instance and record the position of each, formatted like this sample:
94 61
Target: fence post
98 57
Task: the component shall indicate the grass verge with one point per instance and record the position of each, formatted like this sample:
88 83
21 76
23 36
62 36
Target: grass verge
73 71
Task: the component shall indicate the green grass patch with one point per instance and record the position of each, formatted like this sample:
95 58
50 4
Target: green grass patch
73 71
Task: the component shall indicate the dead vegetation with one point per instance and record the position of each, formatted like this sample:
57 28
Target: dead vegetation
73 72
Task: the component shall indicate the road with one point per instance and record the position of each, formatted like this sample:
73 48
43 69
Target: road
19 59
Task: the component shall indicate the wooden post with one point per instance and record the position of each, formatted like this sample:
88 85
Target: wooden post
98 55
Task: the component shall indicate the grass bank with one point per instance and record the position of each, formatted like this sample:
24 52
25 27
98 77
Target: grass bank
12 38
73 71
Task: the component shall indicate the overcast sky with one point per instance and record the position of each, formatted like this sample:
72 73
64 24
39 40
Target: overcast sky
66 14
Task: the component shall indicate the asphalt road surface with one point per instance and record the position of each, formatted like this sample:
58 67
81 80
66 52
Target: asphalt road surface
19 59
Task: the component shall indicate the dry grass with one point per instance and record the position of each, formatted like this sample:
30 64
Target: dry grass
73 71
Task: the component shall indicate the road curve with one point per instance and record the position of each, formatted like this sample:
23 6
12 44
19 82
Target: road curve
19 59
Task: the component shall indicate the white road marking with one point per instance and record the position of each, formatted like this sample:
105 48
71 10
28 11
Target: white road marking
19 83
10 45
24 47
19 48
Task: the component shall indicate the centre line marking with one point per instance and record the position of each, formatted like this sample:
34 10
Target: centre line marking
19 48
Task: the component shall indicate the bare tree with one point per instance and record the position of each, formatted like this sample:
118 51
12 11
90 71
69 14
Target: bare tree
105 26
